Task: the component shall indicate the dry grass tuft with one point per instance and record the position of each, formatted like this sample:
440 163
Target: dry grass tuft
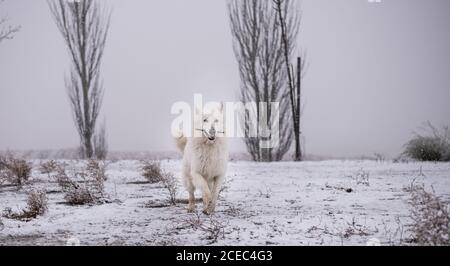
13 170
37 205
85 186
431 218
152 171
48 167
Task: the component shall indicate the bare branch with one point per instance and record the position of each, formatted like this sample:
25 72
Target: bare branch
7 31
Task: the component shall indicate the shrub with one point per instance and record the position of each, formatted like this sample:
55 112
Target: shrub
85 186
36 205
225 187
75 192
362 177
152 171
97 170
48 167
170 183
433 145
63 180
79 196
213 229
431 218
425 149
16 171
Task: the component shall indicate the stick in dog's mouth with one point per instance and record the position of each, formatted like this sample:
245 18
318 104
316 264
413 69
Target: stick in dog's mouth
210 137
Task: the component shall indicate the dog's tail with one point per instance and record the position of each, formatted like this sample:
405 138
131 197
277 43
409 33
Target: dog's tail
180 141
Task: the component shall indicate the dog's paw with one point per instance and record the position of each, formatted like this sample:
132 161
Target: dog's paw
191 208
208 210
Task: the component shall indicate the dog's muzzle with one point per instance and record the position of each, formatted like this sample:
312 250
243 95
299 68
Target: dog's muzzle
211 134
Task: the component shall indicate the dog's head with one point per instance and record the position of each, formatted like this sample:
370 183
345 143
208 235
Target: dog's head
210 122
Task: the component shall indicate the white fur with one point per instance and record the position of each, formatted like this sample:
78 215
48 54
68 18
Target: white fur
205 161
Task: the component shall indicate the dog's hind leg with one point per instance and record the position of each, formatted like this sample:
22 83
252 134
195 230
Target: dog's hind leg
200 182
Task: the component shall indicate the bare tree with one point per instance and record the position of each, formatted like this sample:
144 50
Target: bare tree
84 26
101 143
7 31
286 11
257 46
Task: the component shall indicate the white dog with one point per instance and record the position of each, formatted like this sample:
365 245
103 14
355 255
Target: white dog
205 158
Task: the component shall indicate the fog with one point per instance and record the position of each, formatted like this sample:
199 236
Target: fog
376 71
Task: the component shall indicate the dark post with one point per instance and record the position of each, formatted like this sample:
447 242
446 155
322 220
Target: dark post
298 147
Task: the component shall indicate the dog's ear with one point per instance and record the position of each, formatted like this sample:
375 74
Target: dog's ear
221 106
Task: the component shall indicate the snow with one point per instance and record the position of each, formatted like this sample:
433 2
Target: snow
285 203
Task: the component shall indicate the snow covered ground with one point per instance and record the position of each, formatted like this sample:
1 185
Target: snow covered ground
286 203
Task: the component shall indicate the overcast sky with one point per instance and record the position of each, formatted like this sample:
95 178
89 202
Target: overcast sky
376 72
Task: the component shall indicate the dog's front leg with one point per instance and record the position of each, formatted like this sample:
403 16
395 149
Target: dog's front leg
189 184
215 191
200 182
191 204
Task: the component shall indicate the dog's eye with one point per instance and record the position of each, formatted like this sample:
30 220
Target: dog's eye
205 120
216 121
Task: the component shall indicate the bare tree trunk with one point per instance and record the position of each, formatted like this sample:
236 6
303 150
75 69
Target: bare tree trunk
294 91
84 26
100 142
